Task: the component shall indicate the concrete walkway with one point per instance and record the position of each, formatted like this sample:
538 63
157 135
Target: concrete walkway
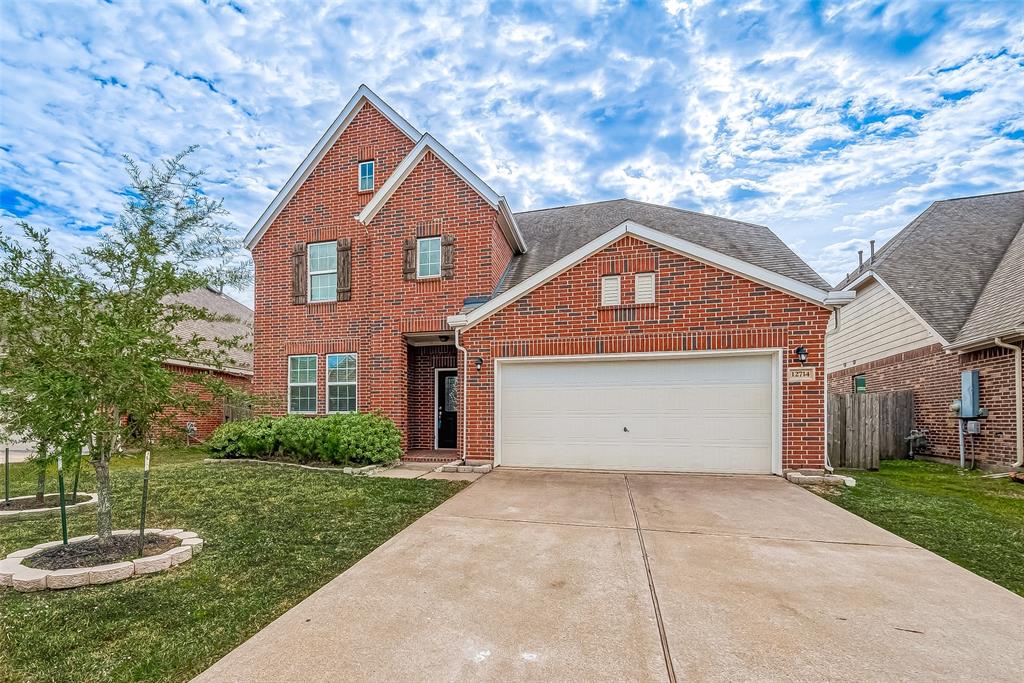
542 575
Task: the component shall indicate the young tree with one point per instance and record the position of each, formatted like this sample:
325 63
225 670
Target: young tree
168 240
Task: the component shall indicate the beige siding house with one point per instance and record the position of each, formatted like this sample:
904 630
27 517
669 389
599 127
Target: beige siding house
878 324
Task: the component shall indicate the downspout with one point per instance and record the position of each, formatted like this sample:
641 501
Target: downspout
1020 397
465 395
824 383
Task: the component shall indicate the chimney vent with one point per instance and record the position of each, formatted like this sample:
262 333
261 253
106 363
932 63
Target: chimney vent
872 251
860 257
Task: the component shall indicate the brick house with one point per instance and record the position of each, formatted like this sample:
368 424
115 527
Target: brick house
944 295
236 372
390 277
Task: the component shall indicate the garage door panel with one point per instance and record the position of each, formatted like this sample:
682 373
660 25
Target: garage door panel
710 414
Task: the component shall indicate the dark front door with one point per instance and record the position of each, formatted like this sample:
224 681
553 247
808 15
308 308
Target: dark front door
447 408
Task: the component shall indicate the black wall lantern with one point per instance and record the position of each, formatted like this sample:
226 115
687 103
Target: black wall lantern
478 362
801 354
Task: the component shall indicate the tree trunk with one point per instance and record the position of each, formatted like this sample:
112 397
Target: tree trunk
41 484
103 493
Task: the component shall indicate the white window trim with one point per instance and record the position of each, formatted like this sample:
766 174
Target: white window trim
439 257
329 383
311 273
373 175
291 384
608 297
636 288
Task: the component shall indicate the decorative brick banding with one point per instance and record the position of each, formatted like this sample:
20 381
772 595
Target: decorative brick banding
14 574
43 513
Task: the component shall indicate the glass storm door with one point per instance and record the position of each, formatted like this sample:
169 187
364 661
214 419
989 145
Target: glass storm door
447 408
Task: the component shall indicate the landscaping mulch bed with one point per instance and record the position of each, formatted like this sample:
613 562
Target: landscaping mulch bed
49 501
92 553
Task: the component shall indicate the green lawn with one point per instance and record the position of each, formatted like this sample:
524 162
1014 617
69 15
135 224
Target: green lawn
272 536
976 522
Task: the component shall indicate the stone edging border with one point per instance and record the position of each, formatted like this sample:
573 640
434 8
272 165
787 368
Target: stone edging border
28 579
343 470
44 513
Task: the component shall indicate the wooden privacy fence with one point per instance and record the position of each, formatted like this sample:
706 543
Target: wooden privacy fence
866 428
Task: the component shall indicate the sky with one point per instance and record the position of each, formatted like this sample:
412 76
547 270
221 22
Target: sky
833 123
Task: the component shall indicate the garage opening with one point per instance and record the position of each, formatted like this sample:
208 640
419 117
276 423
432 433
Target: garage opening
680 413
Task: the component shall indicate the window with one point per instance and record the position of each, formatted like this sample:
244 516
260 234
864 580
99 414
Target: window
365 176
428 257
860 384
611 290
341 383
644 285
301 384
323 271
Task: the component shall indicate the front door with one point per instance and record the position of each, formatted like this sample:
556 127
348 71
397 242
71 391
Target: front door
447 408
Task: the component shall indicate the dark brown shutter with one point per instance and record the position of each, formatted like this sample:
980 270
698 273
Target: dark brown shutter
448 257
299 274
409 259
344 269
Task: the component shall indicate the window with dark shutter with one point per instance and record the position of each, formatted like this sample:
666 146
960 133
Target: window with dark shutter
409 259
344 269
299 274
448 257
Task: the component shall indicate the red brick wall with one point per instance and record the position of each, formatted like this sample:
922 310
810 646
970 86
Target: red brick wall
698 307
934 377
383 304
212 416
423 360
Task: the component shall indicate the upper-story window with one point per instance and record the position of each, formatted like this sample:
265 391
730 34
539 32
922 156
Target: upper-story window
323 271
365 176
428 257
643 286
611 290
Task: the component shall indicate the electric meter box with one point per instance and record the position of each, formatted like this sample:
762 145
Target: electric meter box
968 394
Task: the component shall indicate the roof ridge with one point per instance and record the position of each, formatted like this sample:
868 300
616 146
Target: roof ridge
572 206
979 196
657 206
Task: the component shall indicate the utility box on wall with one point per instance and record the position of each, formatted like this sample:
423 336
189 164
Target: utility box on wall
969 394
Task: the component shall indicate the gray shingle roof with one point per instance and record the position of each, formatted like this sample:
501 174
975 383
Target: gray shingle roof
1000 307
553 233
942 261
221 304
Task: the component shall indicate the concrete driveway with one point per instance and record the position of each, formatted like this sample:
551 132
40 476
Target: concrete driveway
541 575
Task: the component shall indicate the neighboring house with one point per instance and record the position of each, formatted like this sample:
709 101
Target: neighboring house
944 295
390 277
237 372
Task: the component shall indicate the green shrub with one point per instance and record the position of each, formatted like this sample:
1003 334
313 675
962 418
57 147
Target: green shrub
243 439
352 438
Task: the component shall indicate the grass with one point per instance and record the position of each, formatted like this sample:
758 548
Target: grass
272 537
975 522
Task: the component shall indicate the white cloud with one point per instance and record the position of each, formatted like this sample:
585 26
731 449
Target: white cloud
832 128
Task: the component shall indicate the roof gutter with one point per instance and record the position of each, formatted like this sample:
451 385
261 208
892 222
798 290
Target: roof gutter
1017 352
975 343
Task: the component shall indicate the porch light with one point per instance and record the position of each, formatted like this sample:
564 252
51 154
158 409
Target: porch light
801 354
478 362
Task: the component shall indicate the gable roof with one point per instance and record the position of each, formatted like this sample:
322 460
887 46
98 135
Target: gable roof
943 262
553 233
427 143
817 295
1000 308
362 95
239 360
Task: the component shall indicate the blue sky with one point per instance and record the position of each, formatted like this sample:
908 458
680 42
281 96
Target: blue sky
831 122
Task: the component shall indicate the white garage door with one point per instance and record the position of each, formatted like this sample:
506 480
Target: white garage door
699 414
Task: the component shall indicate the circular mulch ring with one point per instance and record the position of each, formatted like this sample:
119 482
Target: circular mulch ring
17 513
15 573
